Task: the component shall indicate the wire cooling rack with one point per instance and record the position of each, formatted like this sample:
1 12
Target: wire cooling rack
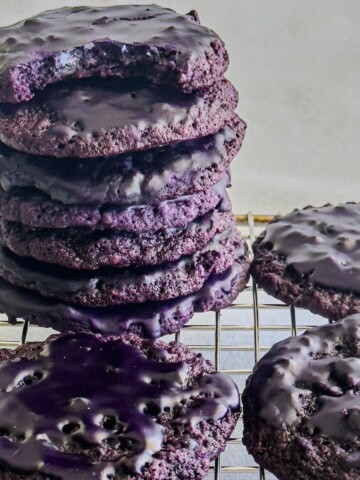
234 339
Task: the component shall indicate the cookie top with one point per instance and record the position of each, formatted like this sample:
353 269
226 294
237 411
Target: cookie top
121 40
35 209
106 117
112 416
149 320
308 385
86 249
134 178
319 244
113 286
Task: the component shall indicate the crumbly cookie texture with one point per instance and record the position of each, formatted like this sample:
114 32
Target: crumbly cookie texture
111 286
99 118
85 249
121 41
301 405
134 178
310 258
148 320
35 209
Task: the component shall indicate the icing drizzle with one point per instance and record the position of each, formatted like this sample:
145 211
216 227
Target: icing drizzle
83 391
133 178
321 244
320 371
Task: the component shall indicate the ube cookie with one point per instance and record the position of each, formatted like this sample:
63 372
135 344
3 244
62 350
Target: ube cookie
149 320
301 405
99 118
85 249
133 178
135 408
114 286
311 258
122 41
35 209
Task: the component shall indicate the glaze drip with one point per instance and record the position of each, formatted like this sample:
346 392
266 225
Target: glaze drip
19 303
132 178
81 390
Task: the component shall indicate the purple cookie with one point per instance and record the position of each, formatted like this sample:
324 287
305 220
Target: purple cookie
113 286
35 209
149 320
134 178
122 41
99 118
90 407
310 258
301 405
85 249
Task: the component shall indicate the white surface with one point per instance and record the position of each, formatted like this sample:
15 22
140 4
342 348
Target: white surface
296 66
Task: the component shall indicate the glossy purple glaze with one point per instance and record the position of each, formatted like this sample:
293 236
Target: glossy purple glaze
321 244
81 388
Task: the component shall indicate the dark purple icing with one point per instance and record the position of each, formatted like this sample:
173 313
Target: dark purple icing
113 286
321 244
121 40
89 106
153 318
35 209
319 368
132 178
107 117
83 388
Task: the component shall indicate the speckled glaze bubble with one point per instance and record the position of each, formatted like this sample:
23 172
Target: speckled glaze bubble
134 178
323 363
152 318
119 40
81 388
321 244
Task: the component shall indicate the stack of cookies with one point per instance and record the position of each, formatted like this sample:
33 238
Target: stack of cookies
118 129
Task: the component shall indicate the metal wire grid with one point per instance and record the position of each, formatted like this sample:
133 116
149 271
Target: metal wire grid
244 467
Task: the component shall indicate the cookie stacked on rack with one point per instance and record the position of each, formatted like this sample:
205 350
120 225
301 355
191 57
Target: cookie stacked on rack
118 129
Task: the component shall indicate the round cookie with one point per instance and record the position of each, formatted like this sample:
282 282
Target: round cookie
311 258
112 286
85 249
134 178
149 320
301 405
99 118
94 407
35 209
122 41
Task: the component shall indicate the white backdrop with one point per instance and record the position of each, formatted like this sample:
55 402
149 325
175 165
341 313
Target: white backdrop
296 66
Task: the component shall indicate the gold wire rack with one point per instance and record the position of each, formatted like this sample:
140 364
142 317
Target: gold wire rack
245 326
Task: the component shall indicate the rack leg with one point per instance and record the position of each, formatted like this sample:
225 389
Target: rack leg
217 469
24 332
